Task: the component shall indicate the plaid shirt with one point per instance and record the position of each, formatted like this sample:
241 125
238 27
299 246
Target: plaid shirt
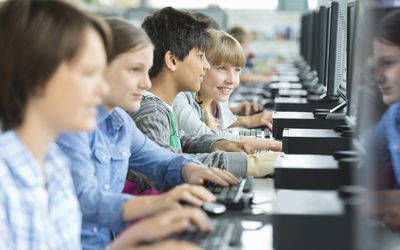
38 207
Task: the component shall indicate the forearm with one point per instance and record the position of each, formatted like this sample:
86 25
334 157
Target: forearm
241 121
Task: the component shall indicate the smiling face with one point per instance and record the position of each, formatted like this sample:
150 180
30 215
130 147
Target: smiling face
128 78
69 101
191 70
387 73
219 82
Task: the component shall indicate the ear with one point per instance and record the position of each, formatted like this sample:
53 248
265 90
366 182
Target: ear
170 60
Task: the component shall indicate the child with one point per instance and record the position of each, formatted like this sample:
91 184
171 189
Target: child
179 65
207 111
100 159
43 94
248 76
38 207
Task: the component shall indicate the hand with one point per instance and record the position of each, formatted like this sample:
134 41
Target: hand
193 194
170 245
161 226
196 174
260 119
388 207
275 145
146 205
232 146
247 108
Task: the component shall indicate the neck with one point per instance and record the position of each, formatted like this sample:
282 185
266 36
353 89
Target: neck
206 102
37 134
164 87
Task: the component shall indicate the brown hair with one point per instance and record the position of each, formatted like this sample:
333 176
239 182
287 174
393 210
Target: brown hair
224 49
388 30
36 37
126 36
239 33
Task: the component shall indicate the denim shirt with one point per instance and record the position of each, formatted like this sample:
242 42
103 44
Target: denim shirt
100 161
38 206
386 139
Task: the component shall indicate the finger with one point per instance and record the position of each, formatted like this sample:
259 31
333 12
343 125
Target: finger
209 175
247 148
175 245
269 126
227 176
199 219
196 195
247 109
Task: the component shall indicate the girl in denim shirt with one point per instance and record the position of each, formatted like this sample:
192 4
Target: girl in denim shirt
100 159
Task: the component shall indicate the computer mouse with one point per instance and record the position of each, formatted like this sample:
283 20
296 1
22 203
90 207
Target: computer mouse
213 208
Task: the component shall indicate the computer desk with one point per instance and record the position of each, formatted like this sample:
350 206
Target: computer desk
260 239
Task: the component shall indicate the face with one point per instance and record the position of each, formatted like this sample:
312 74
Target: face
190 72
219 82
128 78
387 73
69 101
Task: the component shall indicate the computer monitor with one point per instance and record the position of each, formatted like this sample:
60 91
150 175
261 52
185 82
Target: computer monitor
314 41
310 35
322 40
351 29
336 47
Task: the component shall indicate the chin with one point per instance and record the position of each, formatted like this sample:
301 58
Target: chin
84 126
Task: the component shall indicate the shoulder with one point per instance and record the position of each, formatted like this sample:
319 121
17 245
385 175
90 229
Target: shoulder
150 106
184 98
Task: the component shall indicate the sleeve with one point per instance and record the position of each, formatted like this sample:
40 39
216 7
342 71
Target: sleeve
5 235
161 165
97 205
375 141
189 120
153 123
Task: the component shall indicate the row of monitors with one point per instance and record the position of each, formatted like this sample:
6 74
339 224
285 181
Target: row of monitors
327 39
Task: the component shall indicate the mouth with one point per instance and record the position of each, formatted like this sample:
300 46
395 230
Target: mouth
137 96
225 90
385 90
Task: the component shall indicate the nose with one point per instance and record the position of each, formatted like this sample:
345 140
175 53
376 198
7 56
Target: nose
232 77
206 64
145 82
378 75
103 88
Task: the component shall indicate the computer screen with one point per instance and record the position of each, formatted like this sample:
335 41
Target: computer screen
336 48
322 41
351 29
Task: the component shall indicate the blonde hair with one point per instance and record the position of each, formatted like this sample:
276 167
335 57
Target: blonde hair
224 49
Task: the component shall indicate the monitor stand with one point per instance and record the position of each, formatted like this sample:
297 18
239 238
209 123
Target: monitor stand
287 119
315 172
315 141
305 220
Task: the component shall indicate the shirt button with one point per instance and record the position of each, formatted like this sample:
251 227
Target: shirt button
106 187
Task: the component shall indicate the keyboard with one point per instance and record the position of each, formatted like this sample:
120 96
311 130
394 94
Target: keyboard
255 132
234 197
227 233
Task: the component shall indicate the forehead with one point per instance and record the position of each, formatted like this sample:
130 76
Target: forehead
143 54
384 49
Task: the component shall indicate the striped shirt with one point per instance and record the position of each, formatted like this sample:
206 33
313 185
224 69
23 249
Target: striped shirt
38 207
153 120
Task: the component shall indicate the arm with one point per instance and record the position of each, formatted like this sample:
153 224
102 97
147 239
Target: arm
160 164
97 205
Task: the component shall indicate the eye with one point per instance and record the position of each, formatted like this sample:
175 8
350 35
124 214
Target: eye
134 69
237 70
221 68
